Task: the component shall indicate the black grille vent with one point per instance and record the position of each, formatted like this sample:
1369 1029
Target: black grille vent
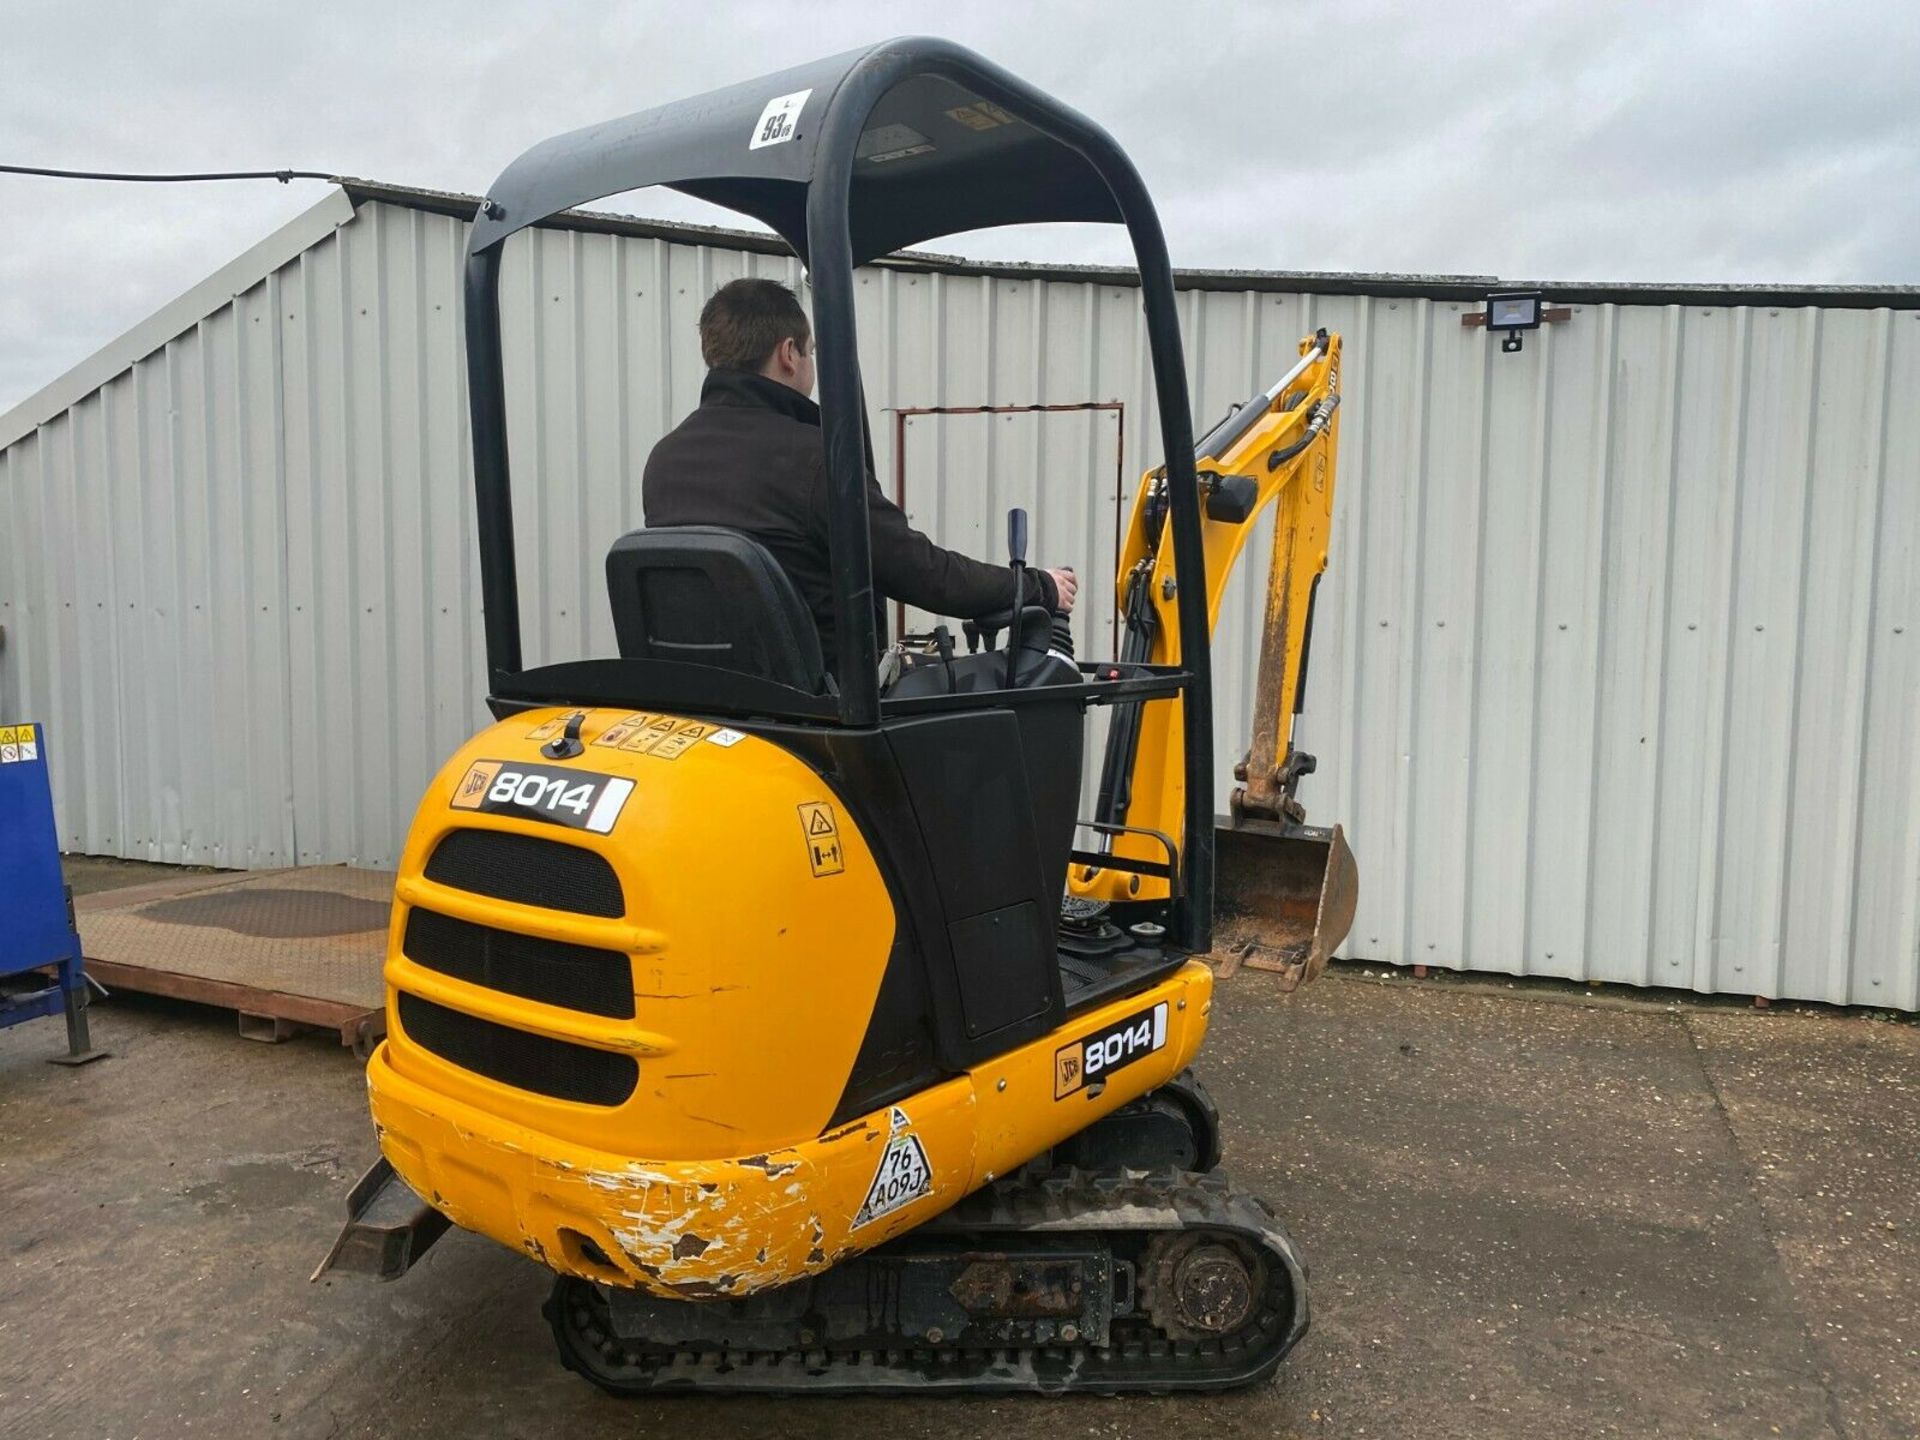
513 1057
599 982
528 871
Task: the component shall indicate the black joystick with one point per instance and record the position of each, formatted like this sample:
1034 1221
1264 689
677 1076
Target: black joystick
1017 562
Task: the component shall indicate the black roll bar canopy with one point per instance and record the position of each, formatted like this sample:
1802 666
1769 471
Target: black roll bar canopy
848 159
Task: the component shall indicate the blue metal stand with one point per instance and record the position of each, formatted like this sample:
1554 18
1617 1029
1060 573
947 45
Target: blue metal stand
40 961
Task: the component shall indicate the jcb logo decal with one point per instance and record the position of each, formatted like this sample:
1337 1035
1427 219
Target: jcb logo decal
1068 1063
472 790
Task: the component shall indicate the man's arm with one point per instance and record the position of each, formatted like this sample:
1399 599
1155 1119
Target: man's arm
907 566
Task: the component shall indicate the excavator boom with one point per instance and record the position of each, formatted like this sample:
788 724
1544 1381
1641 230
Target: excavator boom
1285 891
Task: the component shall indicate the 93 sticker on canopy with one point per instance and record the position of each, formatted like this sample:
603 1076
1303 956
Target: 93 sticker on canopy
578 799
780 121
1089 1060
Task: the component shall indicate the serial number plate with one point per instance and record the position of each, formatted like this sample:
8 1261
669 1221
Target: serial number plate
578 799
1090 1059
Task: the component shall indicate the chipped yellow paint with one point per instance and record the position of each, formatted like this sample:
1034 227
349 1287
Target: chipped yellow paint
730 1226
753 984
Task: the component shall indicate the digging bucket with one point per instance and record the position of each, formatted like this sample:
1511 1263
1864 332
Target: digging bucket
1284 897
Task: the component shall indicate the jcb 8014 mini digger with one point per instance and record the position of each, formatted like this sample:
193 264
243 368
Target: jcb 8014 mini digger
778 1011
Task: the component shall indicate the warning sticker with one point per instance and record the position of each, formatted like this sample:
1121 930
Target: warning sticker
621 730
725 739
11 753
891 142
681 740
29 750
904 1176
547 729
641 741
780 121
823 838
982 115
17 744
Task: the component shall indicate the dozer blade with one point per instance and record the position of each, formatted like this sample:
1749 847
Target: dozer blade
1284 897
388 1227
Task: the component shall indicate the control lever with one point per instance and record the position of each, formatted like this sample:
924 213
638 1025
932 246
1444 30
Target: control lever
1017 562
943 644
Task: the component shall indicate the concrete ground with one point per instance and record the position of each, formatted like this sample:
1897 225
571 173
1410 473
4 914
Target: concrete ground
1528 1213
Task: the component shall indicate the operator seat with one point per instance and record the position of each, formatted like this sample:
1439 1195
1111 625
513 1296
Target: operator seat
706 595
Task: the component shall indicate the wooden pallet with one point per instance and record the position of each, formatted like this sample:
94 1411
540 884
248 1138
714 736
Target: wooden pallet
284 949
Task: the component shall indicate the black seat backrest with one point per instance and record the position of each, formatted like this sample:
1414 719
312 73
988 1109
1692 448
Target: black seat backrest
704 595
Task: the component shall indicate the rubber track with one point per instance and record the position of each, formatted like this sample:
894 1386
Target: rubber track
1131 1207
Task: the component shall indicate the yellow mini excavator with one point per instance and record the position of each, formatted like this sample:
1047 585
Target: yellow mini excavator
780 1012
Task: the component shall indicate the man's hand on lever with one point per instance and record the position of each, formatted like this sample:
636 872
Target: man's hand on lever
1065 586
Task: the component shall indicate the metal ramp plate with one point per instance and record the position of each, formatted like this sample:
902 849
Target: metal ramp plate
283 947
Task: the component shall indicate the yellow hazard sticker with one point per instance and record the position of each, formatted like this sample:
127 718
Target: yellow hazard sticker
981 115
681 740
822 829
548 729
642 741
471 792
622 730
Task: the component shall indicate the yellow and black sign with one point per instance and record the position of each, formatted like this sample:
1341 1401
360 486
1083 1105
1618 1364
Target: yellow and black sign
548 729
17 743
621 730
823 838
643 740
1069 1064
682 739
471 792
982 115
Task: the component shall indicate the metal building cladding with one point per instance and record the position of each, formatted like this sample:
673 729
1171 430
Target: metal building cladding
1616 672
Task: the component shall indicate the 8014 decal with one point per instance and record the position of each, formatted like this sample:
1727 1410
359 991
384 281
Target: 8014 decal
1090 1059
578 799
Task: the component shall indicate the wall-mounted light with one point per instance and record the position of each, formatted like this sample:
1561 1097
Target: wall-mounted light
1512 314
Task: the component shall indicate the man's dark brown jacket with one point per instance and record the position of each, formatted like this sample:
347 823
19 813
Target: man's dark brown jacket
750 458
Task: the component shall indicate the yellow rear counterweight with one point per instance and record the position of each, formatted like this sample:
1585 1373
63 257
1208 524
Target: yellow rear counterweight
683 1145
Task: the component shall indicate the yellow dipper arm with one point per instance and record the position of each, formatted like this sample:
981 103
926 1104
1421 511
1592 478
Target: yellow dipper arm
1280 450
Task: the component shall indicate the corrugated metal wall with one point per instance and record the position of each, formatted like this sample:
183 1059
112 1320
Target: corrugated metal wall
1615 676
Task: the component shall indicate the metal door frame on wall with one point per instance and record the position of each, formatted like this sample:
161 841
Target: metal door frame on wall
902 413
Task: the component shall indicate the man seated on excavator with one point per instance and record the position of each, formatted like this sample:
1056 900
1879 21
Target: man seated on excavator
750 458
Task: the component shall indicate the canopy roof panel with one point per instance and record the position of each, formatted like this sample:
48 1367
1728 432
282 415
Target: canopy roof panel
941 141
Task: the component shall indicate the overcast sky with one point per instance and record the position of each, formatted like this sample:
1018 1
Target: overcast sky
1600 140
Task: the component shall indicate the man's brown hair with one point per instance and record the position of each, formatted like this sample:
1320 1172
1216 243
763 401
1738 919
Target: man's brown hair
744 322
